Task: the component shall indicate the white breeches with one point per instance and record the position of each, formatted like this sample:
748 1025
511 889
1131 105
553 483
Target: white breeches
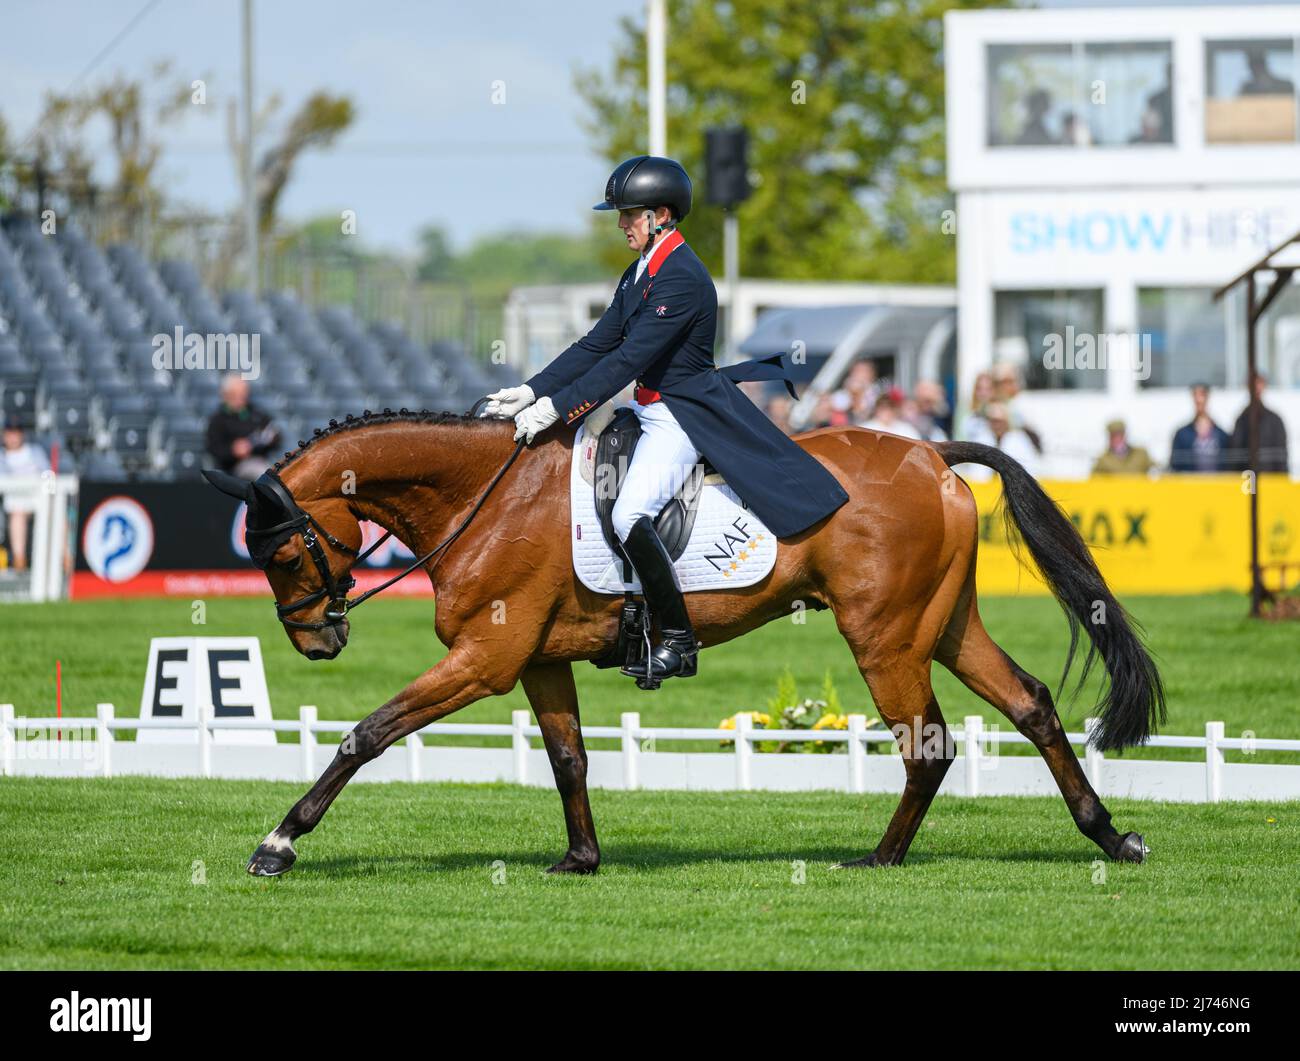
663 460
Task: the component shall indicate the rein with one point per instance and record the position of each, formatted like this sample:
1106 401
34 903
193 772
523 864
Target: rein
336 590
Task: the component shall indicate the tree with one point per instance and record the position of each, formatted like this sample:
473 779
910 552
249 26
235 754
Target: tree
844 106
134 112
317 124
436 256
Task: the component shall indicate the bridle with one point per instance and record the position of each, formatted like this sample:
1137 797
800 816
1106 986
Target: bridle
335 590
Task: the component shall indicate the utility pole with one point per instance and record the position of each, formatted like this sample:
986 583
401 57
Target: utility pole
249 195
726 184
656 33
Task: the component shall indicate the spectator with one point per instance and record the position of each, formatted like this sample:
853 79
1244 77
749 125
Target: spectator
973 424
888 417
1006 389
994 429
1120 458
856 398
928 411
778 411
1202 445
239 434
1272 436
824 412
20 458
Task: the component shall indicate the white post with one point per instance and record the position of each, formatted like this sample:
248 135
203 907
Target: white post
656 35
413 746
974 727
519 719
104 738
247 161
39 543
7 739
631 721
744 753
307 740
205 741
1092 758
857 754
1213 762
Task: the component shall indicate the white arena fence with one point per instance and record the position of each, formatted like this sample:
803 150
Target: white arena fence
88 747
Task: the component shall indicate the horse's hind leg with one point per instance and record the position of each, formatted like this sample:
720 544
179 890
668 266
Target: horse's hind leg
554 699
973 656
902 694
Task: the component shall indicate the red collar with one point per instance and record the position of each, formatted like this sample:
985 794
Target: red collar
663 248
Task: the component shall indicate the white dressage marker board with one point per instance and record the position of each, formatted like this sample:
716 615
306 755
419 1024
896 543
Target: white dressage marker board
222 675
730 547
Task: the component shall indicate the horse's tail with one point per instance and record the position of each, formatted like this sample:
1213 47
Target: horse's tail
1133 702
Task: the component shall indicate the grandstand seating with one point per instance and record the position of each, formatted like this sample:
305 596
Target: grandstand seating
76 357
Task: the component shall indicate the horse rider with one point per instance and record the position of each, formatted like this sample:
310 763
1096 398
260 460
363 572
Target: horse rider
659 333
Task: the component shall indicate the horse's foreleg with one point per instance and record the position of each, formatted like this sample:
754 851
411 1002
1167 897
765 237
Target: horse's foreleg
459 679
554 699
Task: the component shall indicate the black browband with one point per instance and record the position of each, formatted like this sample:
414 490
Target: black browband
336 590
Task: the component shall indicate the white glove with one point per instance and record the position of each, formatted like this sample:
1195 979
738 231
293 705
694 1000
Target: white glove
510 401
536 418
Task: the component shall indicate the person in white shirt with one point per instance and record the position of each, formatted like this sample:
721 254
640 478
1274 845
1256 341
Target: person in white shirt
994 429
20 458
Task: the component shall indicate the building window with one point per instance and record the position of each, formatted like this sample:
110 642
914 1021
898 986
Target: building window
1056 335
1130 92
1250 91
1185 334
1032 90
1080 95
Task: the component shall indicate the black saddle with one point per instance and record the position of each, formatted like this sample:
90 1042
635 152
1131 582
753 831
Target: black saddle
614 448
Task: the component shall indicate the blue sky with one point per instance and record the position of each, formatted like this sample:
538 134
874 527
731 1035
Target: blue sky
428 145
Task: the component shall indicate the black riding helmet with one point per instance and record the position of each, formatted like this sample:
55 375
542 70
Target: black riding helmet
648 181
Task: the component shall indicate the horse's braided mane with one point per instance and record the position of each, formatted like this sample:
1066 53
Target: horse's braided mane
368 419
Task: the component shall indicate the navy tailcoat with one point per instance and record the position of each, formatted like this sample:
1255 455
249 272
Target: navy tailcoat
660 331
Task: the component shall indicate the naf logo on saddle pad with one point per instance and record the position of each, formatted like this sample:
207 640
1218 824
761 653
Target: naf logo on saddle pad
730 547
220 676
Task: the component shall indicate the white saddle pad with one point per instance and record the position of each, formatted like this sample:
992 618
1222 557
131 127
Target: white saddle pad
729 546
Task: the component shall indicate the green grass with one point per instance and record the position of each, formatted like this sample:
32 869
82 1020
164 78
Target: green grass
1217 664
99 874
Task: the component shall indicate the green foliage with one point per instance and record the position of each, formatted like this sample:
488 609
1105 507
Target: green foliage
844 103
787 692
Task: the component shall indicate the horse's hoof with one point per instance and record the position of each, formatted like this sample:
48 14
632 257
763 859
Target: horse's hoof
870 862
571 864
270 863
1132 849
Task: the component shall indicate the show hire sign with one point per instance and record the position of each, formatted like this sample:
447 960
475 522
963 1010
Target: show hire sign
220 676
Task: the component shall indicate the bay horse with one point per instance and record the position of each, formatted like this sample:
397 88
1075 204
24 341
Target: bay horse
895 564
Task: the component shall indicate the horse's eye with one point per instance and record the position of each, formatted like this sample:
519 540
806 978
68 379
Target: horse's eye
292 563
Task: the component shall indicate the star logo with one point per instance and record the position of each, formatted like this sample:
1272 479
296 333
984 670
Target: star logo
660 310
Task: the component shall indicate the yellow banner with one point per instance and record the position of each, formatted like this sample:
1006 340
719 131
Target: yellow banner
1175 534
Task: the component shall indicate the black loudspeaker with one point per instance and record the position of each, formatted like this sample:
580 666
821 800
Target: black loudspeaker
726 176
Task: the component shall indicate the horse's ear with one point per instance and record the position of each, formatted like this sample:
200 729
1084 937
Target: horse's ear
228 484
266 506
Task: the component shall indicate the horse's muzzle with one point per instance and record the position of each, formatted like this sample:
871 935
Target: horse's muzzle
328 642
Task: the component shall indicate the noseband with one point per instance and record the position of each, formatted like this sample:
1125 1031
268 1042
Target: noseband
263 541
301 522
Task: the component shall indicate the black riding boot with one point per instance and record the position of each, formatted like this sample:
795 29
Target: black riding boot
678 652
